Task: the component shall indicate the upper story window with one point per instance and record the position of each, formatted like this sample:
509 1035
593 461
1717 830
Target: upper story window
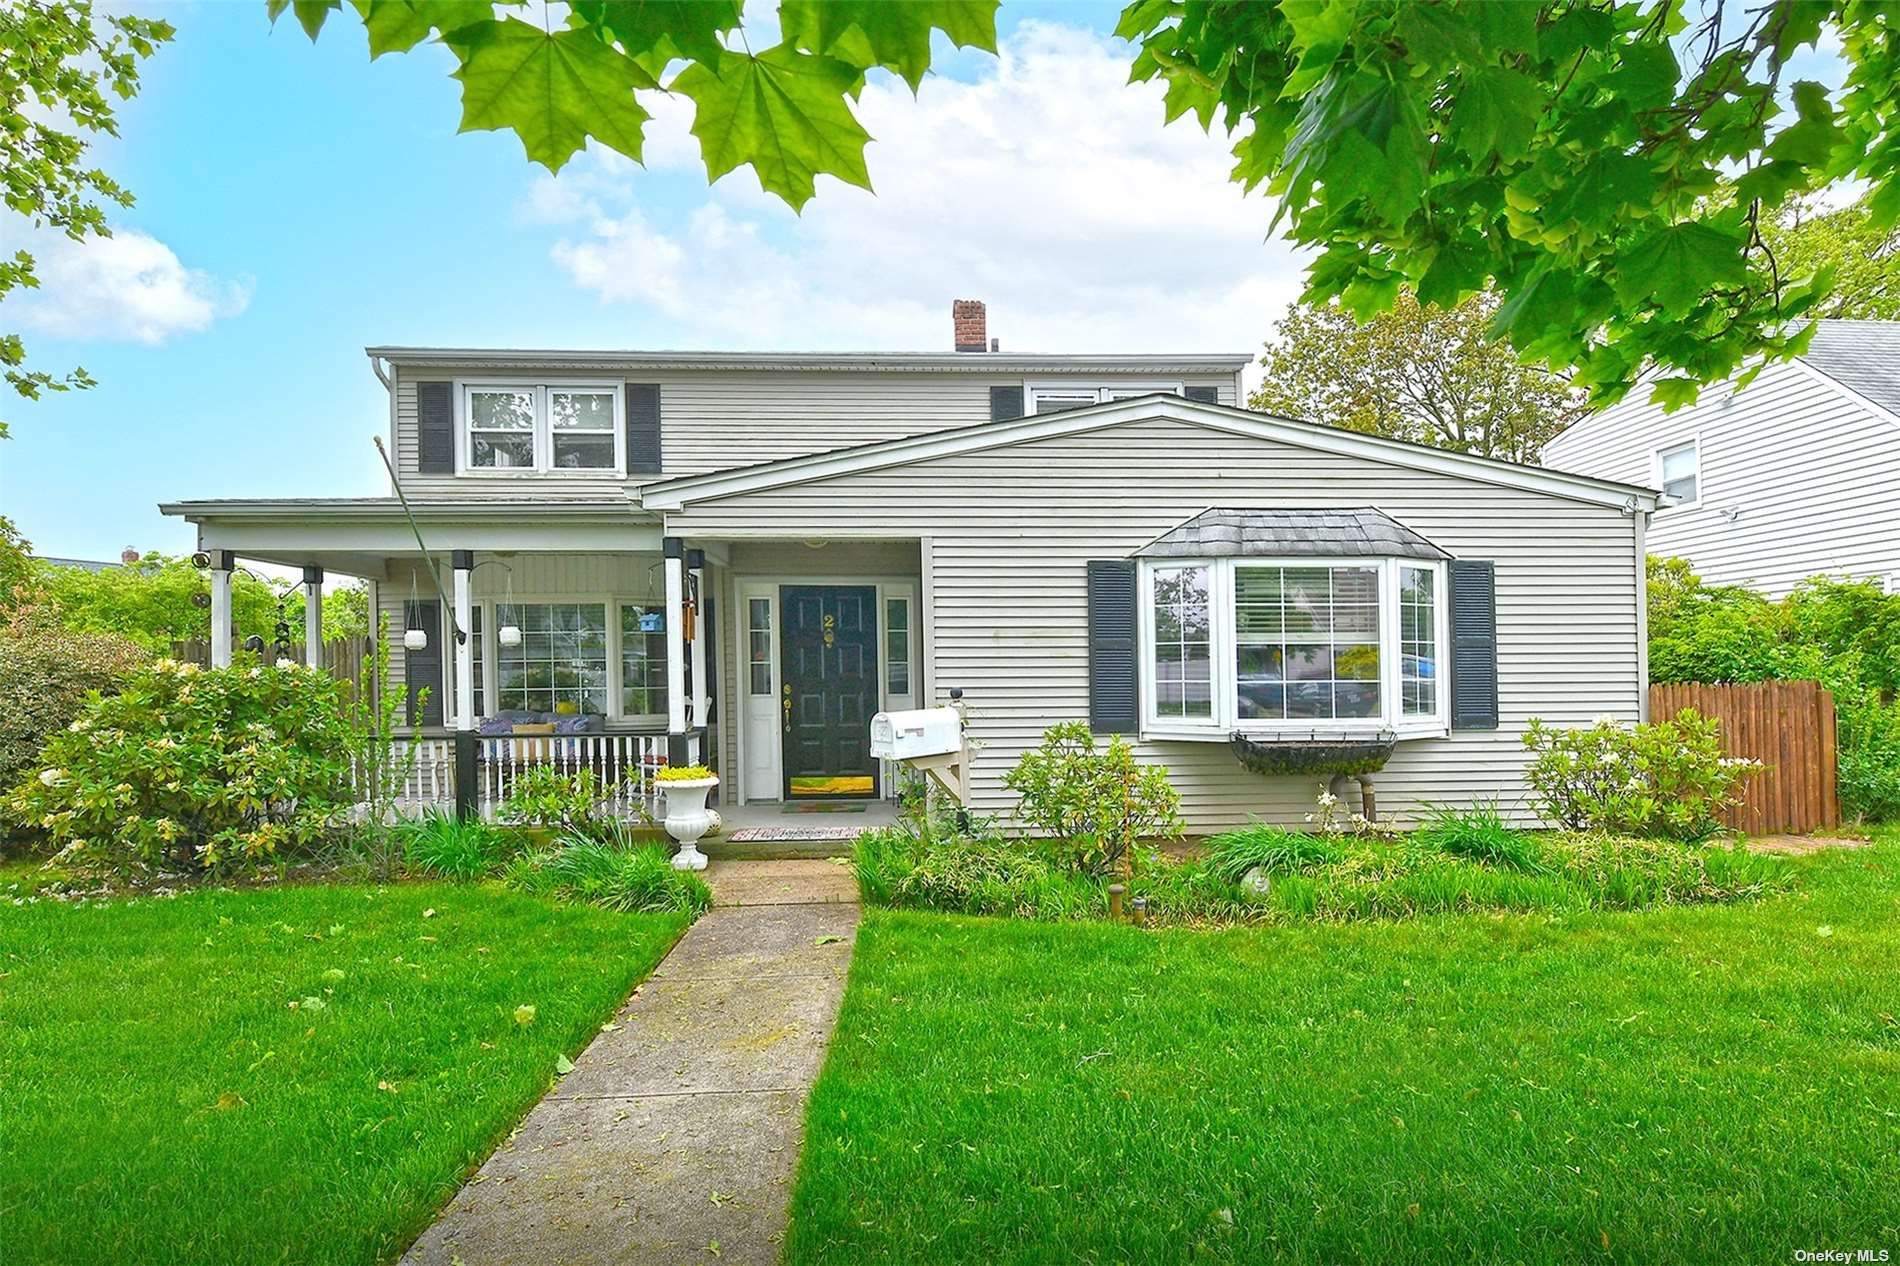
542 427
1057 397
1679 471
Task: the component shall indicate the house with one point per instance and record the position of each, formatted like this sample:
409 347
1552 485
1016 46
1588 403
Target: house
742 557
1794 475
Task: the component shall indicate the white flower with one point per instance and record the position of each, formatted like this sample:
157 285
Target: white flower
52 777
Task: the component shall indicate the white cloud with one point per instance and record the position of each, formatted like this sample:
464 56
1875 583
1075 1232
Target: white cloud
128 287
1048 188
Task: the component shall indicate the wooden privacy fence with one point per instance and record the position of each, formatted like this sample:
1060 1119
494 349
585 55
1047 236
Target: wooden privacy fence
1786 725
342 658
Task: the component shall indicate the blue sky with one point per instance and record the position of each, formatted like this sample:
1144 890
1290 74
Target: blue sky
297 202
316 203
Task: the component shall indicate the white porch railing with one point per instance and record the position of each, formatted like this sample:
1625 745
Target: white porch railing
622 765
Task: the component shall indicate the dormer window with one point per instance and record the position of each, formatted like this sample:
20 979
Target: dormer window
541 428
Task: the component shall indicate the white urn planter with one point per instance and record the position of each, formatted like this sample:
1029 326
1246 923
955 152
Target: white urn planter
687 818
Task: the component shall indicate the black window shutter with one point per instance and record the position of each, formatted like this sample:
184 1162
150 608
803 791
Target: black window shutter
423 668
1206 395
643 428
1474 645
1006 403
435 428
1113 692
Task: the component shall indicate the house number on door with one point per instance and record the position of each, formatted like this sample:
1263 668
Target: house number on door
831 635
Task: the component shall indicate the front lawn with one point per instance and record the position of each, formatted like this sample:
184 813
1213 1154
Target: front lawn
301 1074
1710 1083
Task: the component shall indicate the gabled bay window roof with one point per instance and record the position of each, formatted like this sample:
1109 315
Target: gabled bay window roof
1366 533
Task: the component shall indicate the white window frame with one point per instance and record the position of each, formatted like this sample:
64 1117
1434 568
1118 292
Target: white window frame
1694 444
543 431
1086 392
488 668
1223 636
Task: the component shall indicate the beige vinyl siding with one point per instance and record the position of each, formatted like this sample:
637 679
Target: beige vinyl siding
716 419
1797 478
1012 529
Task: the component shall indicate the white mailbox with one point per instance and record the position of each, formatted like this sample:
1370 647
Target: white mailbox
924 732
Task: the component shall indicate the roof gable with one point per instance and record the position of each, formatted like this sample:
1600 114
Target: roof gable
1862 356
1230 533
676 494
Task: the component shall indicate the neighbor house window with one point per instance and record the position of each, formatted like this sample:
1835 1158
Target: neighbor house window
642 660
1293 645
1679 470
560 664
542 427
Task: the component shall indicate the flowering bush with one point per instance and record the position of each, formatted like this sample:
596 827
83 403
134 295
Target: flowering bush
1092 805
1667 779
548 799
193 768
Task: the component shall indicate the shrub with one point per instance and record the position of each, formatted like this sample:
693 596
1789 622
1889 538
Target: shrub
46 674
1093 806
1667 779
199 768
1232 854
1477 834
636 880
444 845
547 798
683 773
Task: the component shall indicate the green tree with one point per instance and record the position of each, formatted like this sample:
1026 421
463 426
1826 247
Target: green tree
16 567
164 600
60 66
1416 372
1571 155
1863 255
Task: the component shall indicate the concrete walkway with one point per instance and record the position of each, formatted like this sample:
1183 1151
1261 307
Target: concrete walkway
676 1136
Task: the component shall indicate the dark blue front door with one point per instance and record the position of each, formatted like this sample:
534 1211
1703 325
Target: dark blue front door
828 664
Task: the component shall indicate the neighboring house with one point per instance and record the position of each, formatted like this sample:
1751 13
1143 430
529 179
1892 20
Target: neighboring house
748 555
1794 475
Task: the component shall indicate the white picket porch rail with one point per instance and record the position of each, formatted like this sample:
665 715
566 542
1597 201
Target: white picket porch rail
623 764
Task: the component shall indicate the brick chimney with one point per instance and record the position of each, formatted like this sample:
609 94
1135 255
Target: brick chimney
970 322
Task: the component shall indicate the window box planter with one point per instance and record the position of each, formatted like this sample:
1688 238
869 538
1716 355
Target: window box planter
1312 756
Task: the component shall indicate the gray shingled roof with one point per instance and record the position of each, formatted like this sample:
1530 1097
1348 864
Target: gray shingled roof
1222 533
1863 356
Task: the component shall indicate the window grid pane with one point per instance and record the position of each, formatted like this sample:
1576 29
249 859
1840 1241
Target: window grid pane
1418 642
501 428
1183 662
759 645
583 429
1306 643
561 661
642 663
897 645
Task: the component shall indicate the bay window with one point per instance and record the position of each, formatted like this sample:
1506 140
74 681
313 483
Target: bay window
1300 645
525 428
642 660
560 663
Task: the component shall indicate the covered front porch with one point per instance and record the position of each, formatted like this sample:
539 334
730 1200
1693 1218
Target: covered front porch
576 635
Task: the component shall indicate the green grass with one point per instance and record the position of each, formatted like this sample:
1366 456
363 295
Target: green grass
163 1101
1697 1083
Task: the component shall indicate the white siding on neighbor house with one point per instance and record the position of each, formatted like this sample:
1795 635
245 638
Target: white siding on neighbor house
1011 530
1797 479
715 419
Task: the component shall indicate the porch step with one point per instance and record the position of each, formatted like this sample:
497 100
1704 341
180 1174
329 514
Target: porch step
722 849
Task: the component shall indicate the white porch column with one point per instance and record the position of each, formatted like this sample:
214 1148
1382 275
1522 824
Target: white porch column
675 552
313 616
702 703
464 562
221 563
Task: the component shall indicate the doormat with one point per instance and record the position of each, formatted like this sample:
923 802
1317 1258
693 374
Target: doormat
759 834
821 806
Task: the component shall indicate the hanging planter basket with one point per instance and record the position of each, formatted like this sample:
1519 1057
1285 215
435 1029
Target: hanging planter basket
1312 756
